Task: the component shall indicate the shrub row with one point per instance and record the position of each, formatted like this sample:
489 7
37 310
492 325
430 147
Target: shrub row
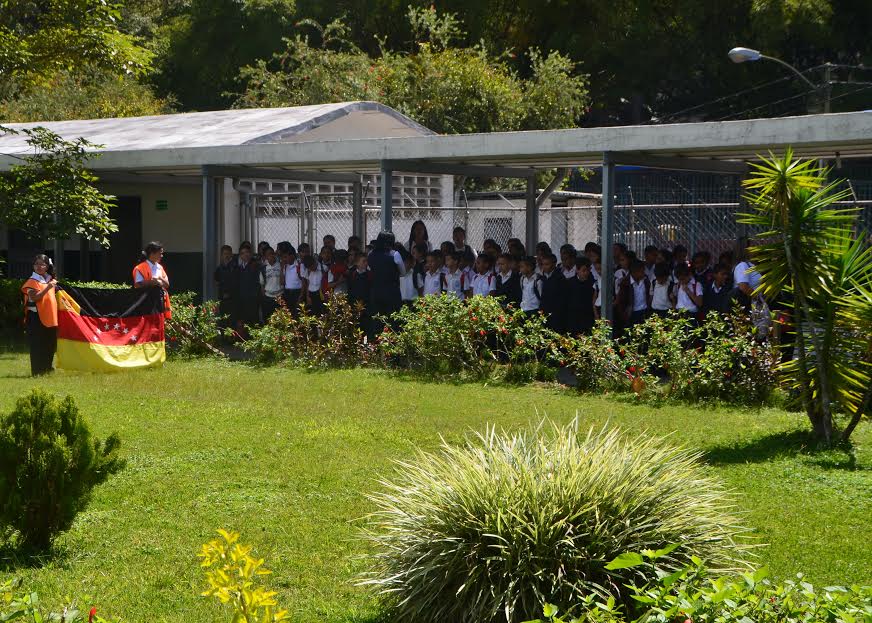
479 339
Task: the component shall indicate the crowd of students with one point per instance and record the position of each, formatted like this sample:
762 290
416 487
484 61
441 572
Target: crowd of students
565 286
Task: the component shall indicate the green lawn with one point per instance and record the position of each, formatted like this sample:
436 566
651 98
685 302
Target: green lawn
286 457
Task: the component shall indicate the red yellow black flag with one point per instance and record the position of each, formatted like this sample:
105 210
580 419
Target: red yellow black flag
105 330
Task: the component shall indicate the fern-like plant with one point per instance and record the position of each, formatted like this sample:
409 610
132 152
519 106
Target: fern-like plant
490 530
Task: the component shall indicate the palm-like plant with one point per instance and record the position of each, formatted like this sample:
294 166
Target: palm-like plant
809 250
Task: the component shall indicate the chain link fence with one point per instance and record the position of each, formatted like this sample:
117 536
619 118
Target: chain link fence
698 225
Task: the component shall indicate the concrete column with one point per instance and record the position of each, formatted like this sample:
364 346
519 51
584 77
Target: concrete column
532 214
607 235
210 233
357 214
387 199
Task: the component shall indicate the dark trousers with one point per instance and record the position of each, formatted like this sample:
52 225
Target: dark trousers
637 317
268 305
292 301
43 344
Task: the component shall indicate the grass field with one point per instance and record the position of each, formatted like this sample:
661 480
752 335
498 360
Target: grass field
286 456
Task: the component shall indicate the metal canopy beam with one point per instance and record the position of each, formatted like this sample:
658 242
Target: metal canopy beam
210 232
281 174
678 163
607 238
450 168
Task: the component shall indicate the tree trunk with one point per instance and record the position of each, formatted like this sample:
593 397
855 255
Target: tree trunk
861 410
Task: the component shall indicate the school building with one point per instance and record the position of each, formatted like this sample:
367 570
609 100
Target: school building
199 180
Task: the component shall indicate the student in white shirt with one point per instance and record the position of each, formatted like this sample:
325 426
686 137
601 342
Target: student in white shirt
408 291
661 289
454 281
293 281
639 292
687 292
531 285
312 274
484 282
270 282
567 260
433 278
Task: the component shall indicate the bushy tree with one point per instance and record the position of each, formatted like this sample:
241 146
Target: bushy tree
51 194
49 464
87 93
446 87
38 39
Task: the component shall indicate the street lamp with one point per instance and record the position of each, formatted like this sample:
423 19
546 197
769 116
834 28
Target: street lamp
745 55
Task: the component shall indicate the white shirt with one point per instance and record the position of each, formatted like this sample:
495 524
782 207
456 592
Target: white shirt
531 292
293 272
407 287
640 295
455 283
314 276
682 300
482 285
271 279
568 272
41 279
433 283
649 272
619 277
660 295
156 272
745 273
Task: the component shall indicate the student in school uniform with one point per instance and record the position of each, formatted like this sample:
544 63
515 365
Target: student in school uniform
419 255
408 291
453 279
507 281
702 271
460 244
484 282
553 301
293 281
150 273
249 289
650 256
336 279
640 289
687 292
568 255
531 285
227 279
433 277
41 315
661 290
270 283
359 279
313 276
716 295
580 299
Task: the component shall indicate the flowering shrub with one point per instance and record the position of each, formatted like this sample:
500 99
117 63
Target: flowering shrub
232 574
719 359
691 595
193 330
443 335
596 360
333 340
21 605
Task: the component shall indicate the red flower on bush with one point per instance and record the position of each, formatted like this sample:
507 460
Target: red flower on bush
481 332
92 613
474 318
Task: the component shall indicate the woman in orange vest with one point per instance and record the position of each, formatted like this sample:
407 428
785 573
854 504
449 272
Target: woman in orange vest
41 315
150 274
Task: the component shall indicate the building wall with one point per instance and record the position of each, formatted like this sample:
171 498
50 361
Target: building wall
179 227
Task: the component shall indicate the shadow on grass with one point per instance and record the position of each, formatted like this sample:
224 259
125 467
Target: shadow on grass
14 558
786 445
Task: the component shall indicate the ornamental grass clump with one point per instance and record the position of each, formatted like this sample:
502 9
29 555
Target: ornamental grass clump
492 529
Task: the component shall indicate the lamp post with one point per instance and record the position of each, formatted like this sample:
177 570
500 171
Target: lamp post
745 55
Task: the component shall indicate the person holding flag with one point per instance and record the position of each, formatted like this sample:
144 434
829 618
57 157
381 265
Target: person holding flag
150 274
41 315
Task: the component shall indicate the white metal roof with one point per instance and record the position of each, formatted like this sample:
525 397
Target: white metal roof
830 136
225 128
